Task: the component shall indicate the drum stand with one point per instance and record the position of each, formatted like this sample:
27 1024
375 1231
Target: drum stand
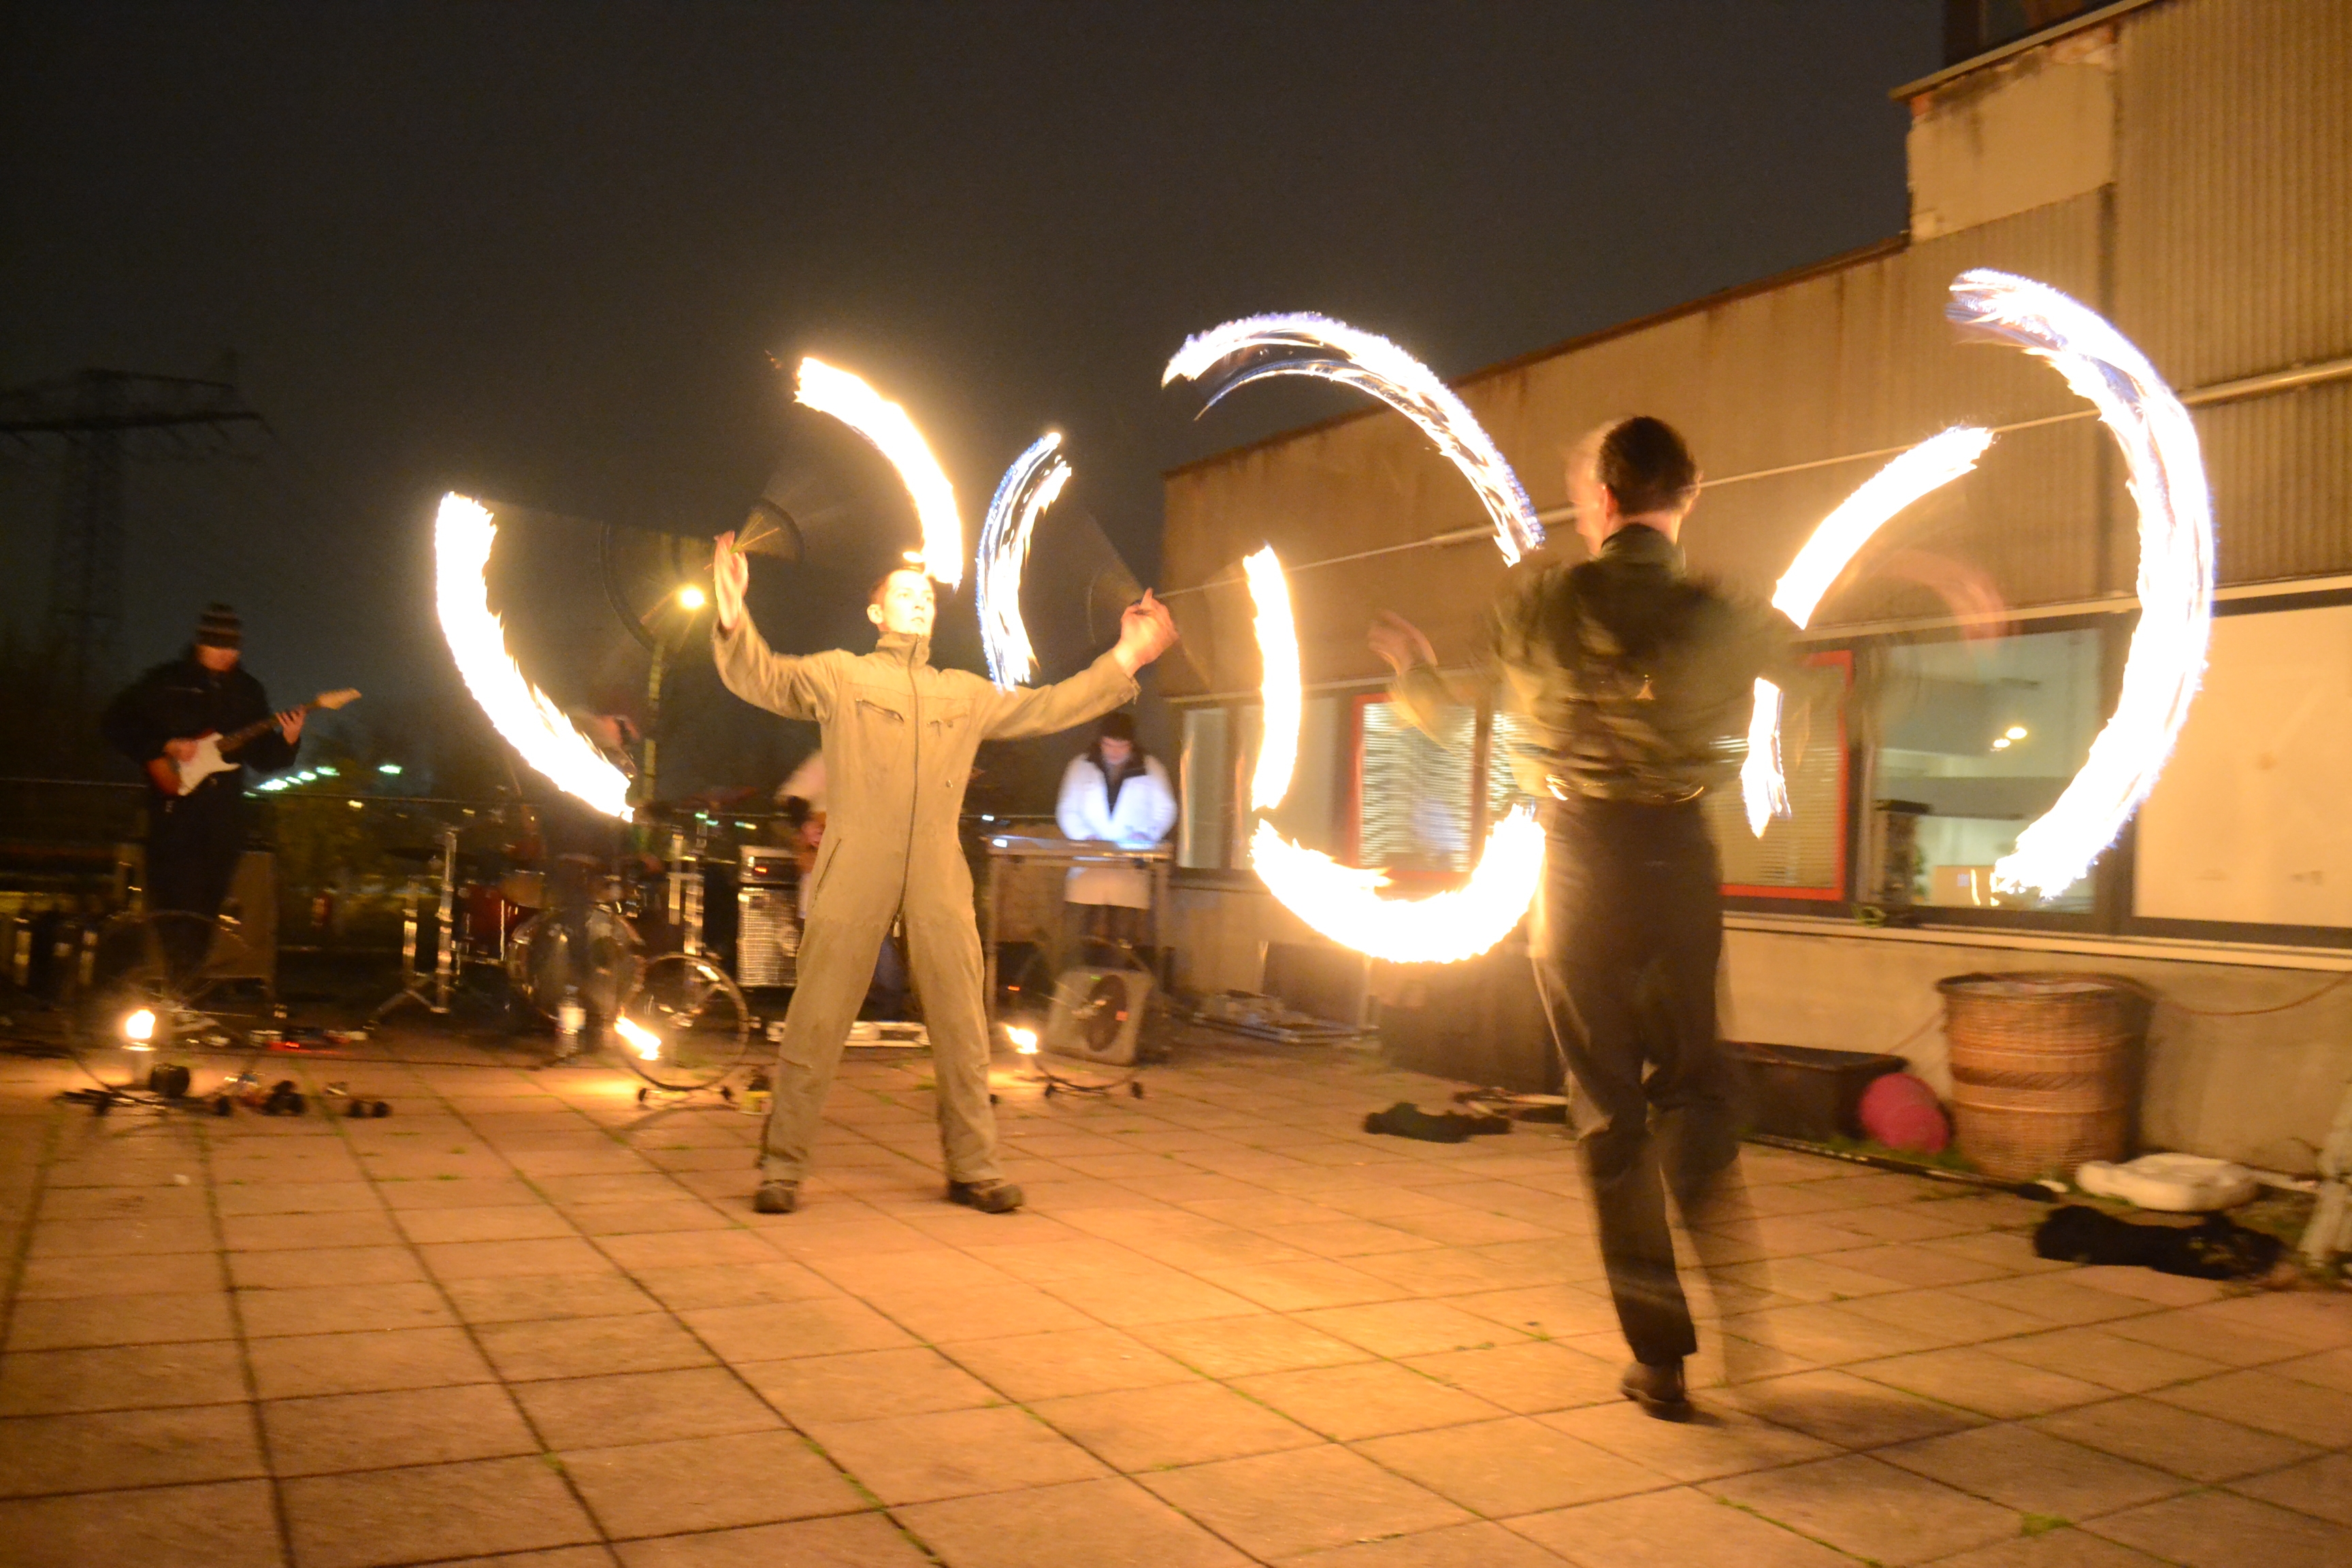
428 992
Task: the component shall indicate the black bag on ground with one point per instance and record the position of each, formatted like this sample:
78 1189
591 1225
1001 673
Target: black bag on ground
1406 1120
2214 1249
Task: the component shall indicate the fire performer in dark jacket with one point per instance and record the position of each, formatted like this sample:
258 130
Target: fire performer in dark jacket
194 839
898 738
1636 679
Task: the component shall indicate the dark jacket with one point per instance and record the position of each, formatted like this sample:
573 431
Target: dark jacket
1637 681
179 700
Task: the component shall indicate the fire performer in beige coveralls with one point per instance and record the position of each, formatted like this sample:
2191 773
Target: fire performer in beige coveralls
898 739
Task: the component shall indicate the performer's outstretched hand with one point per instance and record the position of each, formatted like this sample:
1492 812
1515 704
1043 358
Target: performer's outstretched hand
730 571
1400 642
1145 632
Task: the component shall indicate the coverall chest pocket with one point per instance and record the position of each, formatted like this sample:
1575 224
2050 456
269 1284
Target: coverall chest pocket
879 711
946 716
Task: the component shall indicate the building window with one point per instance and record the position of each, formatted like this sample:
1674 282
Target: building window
1412 789
1206 819
1983 735
1804 854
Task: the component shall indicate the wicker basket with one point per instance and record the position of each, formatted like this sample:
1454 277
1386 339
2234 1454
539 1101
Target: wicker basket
2041 1070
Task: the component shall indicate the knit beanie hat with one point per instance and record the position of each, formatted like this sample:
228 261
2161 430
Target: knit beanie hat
219 627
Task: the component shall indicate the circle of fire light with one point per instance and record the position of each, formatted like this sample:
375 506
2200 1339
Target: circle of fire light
1028 488
1343 902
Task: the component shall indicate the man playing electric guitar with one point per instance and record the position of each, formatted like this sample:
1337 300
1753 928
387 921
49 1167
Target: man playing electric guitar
162 722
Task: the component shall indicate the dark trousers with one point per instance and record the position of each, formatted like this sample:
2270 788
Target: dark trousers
193 845
1628 935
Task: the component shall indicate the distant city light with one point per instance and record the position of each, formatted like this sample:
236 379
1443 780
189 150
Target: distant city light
390 770
327 773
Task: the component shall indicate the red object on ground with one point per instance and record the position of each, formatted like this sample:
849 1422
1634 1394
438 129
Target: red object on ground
1900 1111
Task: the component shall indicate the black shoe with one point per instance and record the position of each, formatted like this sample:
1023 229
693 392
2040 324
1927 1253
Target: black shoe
988 1197
1657 1389
777 1197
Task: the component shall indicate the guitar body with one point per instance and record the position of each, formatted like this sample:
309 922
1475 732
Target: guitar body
178 778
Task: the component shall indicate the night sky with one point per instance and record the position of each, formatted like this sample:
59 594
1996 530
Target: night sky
543 251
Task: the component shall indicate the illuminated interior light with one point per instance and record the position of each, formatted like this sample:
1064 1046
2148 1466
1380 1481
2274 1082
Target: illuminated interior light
2015 732
139 1028
1278 643
2165 471
1037 476
1238 352
522 713
640 1039
691 598
2001 744
1927 467
1025 1041
885 426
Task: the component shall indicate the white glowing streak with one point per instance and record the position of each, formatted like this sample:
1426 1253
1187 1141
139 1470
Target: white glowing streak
1028 488
2166 474
1299 344
1929 466
644 1041
518 710
1343 902
1278 644
885 425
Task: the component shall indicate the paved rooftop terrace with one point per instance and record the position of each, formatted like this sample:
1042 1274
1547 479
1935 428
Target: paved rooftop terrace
528 1321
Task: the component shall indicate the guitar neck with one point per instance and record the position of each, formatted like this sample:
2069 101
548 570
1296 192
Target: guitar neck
230 743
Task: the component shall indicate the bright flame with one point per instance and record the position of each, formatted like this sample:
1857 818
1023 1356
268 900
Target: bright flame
884 424
2166 475
140 1028
1278 644
1343 902
1929 466
691 598
518 710
644 1041
1024 1040
1306 344
1028 488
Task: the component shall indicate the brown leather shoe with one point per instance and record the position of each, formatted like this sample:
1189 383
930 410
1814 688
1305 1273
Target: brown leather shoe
988 1197
1657 1389
777 1197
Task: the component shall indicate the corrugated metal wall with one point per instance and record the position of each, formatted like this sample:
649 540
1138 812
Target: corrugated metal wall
1847 360
2225 250
2234 254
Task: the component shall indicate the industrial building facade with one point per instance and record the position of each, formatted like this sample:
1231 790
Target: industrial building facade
2183 166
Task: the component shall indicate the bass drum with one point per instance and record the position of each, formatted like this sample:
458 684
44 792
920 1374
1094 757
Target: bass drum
544 960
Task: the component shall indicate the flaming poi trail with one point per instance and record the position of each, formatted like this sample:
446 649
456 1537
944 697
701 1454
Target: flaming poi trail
1343 902
520 712
887 427
2164 470
1930 464
1028 488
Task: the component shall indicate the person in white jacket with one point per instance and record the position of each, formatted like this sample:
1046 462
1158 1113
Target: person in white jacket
1113 792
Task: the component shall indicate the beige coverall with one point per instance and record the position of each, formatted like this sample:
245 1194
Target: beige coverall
898 739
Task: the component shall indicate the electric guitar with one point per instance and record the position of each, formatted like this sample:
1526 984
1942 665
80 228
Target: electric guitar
176 777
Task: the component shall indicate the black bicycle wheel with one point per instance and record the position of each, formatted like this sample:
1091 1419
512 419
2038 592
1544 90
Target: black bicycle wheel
685 1025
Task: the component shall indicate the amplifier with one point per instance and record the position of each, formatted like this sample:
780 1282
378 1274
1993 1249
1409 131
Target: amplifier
769 865
767 934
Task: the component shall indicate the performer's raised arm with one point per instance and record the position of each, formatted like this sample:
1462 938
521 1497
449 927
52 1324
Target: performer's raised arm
798 686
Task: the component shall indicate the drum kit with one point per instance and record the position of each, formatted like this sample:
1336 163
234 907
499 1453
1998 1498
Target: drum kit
571 937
